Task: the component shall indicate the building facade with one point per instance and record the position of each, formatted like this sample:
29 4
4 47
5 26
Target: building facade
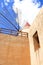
36 40
14 50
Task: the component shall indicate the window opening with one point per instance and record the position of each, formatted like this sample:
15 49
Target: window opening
36 41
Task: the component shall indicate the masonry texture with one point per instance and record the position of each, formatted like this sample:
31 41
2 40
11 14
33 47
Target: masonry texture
14 50
36 40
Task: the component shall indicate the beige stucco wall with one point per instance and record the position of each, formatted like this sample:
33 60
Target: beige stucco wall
36 57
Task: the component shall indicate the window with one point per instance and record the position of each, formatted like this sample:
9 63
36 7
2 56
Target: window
36 41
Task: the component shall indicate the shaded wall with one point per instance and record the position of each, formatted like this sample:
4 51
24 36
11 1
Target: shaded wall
14 50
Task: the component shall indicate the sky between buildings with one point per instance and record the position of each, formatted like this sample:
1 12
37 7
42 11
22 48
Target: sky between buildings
27 11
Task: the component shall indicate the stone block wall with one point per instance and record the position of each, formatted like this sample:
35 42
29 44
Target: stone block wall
14 50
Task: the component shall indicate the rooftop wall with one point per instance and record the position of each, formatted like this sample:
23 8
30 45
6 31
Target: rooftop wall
14 50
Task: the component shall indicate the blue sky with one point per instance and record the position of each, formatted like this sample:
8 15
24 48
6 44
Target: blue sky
27 9
40 2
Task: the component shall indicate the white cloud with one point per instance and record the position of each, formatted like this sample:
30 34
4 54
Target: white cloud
28 9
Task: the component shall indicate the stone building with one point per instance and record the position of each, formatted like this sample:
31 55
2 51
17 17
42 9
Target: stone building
36 40
14 50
